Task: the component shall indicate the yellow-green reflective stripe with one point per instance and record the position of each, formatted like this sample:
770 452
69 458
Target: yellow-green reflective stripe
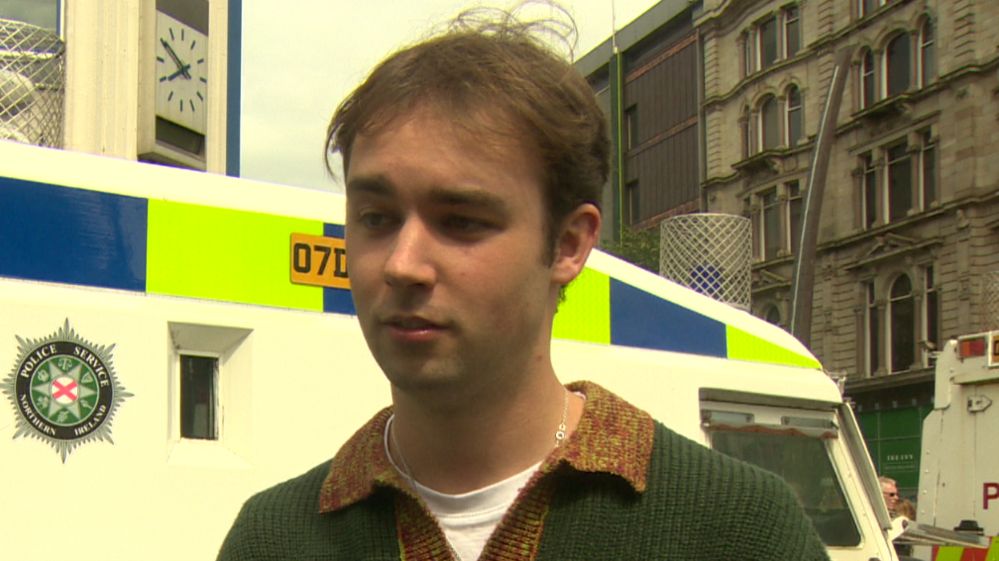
745 346
993 554
949 553
585 313
224 254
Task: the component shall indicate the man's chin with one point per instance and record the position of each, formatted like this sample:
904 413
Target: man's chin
413 375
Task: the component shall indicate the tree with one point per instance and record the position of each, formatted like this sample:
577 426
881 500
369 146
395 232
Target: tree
640 247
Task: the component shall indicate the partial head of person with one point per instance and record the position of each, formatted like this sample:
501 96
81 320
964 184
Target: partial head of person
889 490
906 508
473 162
497 80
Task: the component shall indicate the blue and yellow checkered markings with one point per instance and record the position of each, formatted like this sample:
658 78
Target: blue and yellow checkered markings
336 300
74 236
957 553
227 255
743 345
640 319
602 309
585 313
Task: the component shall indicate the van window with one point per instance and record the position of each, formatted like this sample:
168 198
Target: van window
802 460
198 401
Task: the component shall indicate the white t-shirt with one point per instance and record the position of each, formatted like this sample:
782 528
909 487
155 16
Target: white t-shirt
468 519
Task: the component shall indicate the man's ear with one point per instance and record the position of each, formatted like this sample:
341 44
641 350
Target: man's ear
577 236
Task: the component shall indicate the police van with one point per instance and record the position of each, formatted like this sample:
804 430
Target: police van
959 468
174 341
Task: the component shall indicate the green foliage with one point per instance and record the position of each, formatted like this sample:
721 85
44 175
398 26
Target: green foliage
640 247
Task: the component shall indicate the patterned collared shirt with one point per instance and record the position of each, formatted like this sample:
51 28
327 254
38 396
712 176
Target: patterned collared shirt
612 437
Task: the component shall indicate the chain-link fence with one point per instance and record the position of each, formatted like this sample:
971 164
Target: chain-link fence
32 79
710 253
991 300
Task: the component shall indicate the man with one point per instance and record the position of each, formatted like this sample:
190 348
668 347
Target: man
889 490
473 162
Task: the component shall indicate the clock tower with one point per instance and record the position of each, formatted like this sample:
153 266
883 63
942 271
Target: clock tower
181 74
177 92
154 80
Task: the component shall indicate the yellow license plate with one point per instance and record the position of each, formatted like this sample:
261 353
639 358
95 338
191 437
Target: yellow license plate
319 261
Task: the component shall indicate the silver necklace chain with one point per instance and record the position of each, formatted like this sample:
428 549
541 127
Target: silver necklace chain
560 435
560 431
398 452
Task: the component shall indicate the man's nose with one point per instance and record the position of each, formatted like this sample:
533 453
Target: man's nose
410 261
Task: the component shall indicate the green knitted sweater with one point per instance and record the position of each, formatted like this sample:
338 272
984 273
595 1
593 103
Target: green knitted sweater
689 504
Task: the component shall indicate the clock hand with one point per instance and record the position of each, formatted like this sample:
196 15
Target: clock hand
181 67
182 71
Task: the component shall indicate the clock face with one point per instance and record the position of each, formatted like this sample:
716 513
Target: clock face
181 73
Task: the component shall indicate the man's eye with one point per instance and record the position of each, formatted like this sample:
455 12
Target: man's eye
464 224
374 220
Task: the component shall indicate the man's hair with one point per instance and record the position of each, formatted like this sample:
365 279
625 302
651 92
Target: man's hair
492 75
886 479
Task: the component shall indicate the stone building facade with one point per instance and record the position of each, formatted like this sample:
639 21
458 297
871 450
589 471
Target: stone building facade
909 216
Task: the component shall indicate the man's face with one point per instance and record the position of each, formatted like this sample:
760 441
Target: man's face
446 255
890 493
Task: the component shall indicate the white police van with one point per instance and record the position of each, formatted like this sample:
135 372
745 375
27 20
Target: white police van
173 341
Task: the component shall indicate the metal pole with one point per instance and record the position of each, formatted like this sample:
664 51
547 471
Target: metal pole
803 283
617 125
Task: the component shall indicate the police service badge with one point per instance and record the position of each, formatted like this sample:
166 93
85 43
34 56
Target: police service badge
64 390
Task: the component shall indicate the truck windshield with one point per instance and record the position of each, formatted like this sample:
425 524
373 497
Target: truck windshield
802 461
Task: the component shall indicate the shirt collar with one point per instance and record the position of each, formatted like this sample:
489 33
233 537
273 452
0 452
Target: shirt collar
612 437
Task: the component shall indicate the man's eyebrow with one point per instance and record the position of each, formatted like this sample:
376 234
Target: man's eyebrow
381 186
374 185
458 196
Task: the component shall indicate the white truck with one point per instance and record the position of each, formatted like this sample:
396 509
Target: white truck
173 341
959 468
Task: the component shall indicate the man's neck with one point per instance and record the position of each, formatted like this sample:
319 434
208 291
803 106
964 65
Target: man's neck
470 445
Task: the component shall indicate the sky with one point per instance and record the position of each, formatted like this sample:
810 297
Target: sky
42 14
302 57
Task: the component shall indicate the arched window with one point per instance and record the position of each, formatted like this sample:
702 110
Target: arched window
901 317
769 123
897 65
867 83
794 116
927 54
772 314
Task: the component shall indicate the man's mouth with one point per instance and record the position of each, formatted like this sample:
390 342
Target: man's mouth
412 323
414 330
